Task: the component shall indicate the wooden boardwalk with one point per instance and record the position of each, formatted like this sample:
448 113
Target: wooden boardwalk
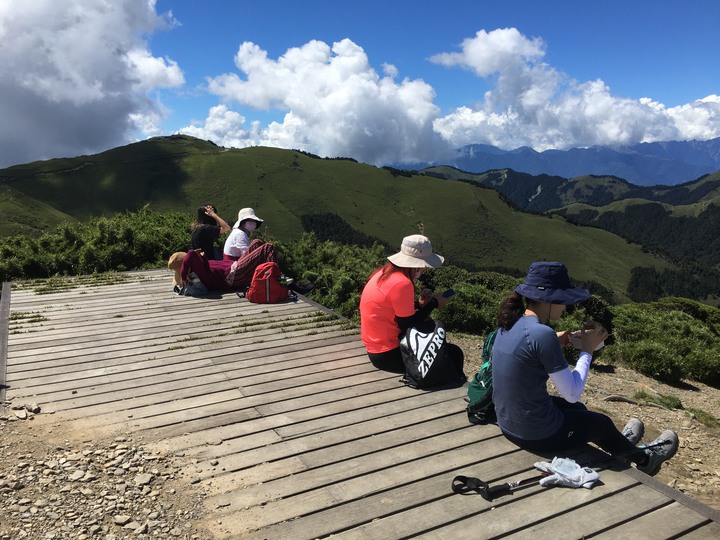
291 429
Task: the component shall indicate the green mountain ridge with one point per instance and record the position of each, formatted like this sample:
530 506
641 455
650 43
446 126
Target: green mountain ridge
681 220
542 193
471 224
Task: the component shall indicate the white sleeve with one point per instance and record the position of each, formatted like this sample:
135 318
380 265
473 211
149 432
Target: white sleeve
569 383
236 243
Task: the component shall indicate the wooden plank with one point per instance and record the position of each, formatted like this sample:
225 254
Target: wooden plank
312 453
145 388
229 329
255 346
128 326
670 520
427 508
331 413
583 521
291 430
4 336
350 502
117 368
224 352
376 469
708 531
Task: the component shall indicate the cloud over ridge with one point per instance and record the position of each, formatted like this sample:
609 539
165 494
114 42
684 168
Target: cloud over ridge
80 77
337 105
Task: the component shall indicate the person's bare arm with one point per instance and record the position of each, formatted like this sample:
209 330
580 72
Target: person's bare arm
224 227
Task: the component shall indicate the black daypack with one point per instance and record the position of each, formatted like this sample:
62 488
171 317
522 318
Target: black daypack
480 409
429 360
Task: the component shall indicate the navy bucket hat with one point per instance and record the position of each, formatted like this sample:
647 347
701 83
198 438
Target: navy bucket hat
549 282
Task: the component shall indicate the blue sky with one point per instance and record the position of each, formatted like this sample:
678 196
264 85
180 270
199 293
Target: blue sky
381 81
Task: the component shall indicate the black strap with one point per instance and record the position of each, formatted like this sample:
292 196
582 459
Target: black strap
463 485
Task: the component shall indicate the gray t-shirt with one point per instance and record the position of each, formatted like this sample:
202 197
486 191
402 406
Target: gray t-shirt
523 357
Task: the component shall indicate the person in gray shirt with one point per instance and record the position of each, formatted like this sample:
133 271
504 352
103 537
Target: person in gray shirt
527 353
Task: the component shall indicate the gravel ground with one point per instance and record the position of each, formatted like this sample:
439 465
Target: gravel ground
53 488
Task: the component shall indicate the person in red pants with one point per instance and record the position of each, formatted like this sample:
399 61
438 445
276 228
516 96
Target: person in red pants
246 254
242 269
220 275
211 273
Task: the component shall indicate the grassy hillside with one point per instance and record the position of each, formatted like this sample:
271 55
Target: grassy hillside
682 221
469 224
24 215
689 231
125 178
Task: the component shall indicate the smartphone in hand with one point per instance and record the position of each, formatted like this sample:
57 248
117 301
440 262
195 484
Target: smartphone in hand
448 294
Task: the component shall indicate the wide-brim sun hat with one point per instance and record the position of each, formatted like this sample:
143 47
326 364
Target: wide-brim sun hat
245 214
416 252
549 282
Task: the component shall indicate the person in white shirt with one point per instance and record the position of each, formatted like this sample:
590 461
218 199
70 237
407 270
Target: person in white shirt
245 254
238 241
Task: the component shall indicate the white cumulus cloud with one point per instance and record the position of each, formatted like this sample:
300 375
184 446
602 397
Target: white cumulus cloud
335 103
532 104
75 76
224 127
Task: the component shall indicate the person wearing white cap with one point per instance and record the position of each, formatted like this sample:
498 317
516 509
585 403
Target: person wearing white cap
387 303
246 255
238 241
527 353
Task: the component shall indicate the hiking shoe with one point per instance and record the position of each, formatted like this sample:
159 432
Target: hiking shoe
302 287
634 430
657 455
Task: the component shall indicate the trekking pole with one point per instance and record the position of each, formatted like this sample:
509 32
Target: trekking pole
610 457
462 485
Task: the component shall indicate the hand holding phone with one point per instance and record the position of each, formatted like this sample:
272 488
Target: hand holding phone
448 293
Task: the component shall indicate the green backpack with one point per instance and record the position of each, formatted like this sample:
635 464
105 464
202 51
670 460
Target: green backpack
480 408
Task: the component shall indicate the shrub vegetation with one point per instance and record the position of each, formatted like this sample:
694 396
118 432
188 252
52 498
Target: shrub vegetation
671 339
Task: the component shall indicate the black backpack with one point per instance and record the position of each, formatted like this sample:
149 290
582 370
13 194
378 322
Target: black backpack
429 360
480 409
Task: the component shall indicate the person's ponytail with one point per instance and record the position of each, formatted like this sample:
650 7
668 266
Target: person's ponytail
511 309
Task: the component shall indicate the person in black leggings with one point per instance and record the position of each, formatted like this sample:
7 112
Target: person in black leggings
527 353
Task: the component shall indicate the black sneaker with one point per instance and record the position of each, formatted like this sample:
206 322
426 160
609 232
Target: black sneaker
634 430
658 454
302 287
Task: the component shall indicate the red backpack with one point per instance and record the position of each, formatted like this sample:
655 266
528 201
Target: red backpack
265 287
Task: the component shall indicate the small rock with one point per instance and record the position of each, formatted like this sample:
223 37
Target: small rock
143 479
122 519
32 407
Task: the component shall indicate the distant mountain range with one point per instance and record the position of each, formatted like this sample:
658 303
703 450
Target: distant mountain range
682 220
644 164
